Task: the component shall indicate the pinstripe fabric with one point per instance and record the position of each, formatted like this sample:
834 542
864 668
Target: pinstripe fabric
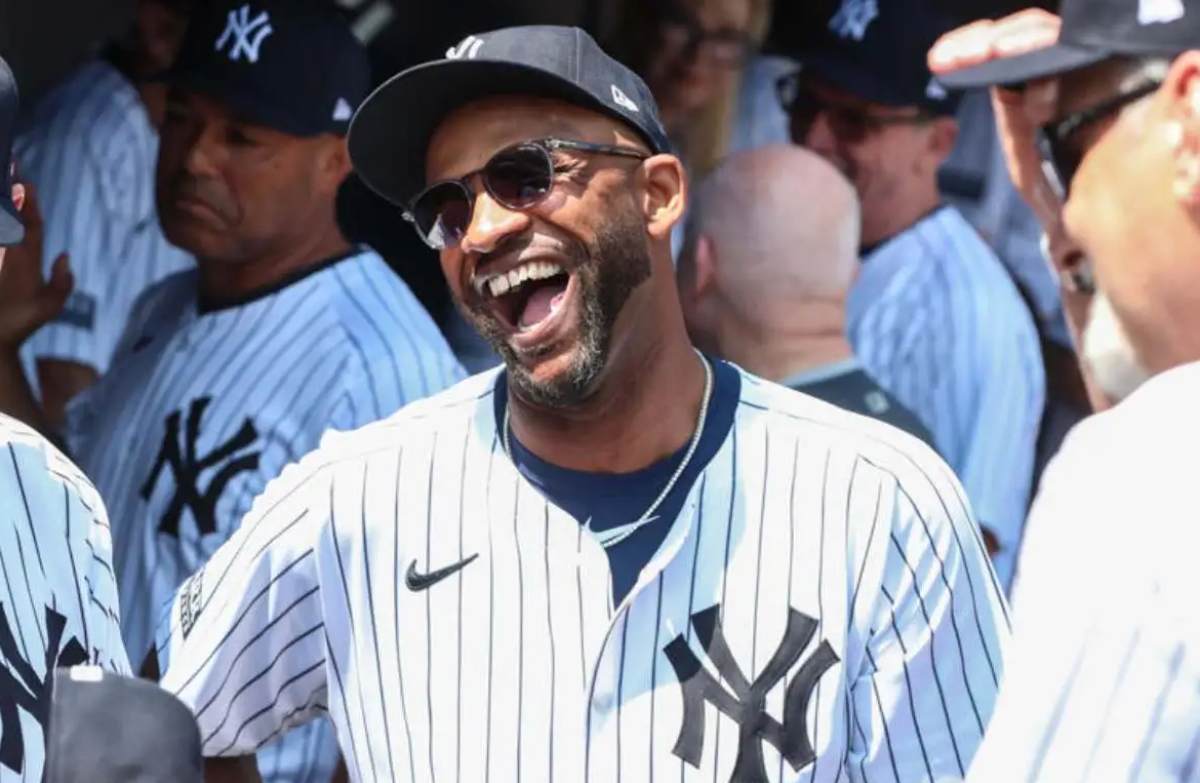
91 153
937 320
55 560
517 666
215 403
1105 677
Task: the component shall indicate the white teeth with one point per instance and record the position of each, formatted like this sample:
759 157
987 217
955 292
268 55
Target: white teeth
500 284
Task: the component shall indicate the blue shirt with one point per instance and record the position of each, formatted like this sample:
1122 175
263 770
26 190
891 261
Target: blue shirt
604 502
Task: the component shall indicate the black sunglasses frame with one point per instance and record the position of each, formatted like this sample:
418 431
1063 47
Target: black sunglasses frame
547 146
1056 136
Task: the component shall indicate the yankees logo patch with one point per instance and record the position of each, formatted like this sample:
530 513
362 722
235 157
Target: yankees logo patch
22 689
244 36
853 18
744 701
467 49
224 463
1160 11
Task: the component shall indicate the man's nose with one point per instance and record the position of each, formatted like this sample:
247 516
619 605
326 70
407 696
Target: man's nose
491 222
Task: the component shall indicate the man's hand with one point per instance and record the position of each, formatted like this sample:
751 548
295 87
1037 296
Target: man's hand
26 300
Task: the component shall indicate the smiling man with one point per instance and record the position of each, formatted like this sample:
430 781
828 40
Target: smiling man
553 570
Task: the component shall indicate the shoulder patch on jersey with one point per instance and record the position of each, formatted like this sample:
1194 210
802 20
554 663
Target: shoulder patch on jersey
191 602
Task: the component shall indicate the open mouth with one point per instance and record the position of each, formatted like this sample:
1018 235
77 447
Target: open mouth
525 297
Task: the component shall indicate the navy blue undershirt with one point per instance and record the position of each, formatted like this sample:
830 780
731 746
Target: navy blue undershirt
613 500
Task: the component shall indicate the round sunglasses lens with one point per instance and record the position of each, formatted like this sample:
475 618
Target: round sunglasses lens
442 215
519 177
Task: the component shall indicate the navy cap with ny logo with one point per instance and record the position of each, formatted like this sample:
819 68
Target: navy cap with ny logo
1094 31
390 133
12 231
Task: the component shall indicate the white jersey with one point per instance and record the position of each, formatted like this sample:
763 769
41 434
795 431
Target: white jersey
58 598
821 609
1105 677
937 320
91 152
206 403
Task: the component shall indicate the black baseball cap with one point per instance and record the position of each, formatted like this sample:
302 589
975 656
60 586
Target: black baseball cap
1094 31
12 230
391 132
291 65
104 728
876 50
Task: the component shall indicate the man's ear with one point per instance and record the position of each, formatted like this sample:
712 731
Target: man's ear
1181 90
664 194
333 160
939 143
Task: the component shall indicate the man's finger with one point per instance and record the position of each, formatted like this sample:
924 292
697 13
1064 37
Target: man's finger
982 41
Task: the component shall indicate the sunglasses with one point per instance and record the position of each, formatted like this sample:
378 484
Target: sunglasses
1063 145
849 124
518 178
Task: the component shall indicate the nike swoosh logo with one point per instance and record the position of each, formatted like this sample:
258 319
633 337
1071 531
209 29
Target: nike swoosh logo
417 582
608 535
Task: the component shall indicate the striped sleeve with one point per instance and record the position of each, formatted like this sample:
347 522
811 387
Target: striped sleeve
935 624
56 555
245 644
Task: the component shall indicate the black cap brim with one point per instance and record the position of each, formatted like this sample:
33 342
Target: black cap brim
849 73
247 105
390 133
1022 68
12 230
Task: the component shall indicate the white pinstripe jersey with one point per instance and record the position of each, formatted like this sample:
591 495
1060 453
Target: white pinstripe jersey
936 319
91 152
1105 677
824 583
58 597
204 406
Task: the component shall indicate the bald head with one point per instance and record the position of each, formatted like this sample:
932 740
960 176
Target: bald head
783 227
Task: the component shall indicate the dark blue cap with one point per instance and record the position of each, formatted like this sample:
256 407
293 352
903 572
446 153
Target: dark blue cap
1093 31
391 132
12 231
104 728
876 50
291 65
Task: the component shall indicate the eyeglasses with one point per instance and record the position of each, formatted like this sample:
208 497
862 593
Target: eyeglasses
679 28
849 124
518 177
1063 144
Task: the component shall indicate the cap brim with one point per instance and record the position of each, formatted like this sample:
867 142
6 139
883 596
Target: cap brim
857 78
1022 68
390 133
12 230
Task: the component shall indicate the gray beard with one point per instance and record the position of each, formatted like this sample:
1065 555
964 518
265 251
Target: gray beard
1109 354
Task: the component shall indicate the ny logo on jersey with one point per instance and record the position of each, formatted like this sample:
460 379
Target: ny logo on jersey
854 17
22 688
744 701
245 35
187 467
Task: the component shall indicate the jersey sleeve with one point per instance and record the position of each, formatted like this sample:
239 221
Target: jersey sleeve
935 626
56 534
243 644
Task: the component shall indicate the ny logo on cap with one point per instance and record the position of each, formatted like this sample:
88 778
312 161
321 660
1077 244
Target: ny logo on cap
1159 11
244 35
854 17
623 100
467 49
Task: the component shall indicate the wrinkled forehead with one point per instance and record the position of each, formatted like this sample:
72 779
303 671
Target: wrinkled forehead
469 136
